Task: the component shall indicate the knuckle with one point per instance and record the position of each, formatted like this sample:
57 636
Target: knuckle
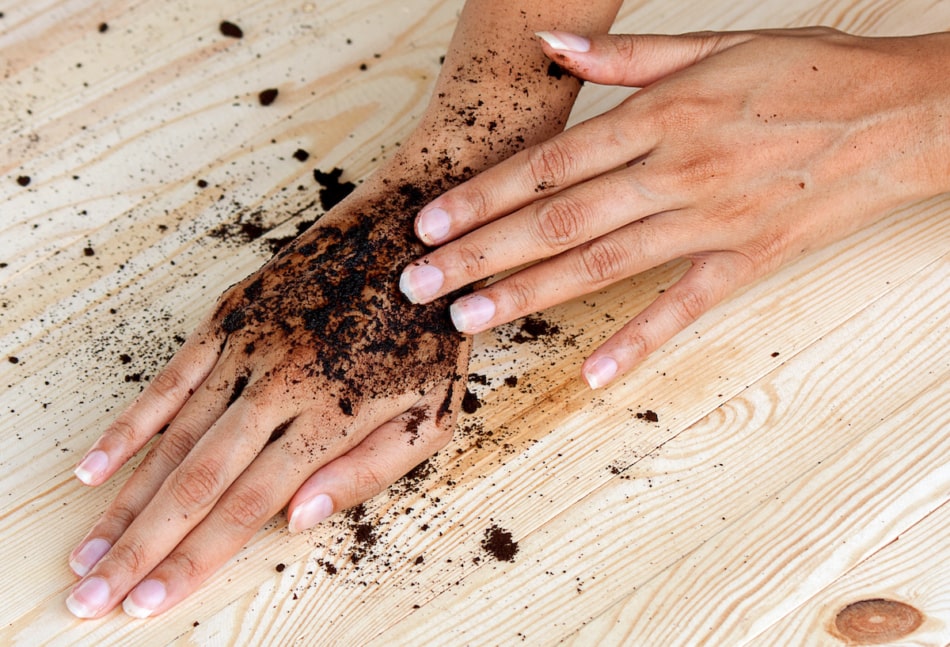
368 481
560 222
602 261
550 164
246 507
635 343
169 383
688 304
196 485
471 200
522 295
472 259
123 431
130 555
186 565
175 445
122 514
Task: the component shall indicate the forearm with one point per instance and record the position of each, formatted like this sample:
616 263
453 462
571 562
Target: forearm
497 92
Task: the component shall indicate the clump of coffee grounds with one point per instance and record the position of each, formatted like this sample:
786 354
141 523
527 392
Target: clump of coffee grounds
231 30
649 415
333 191
533 328
268 96
499 543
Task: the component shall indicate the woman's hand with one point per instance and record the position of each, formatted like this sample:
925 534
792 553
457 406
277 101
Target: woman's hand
743 151
312 376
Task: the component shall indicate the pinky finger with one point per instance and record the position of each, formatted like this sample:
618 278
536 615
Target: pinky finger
152 409
386 454
710 279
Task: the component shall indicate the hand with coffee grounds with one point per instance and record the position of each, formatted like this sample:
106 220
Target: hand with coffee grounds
313 383
741 152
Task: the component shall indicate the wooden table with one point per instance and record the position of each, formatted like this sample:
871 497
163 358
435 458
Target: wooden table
785 457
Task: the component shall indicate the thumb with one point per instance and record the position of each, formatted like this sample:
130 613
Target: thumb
633 60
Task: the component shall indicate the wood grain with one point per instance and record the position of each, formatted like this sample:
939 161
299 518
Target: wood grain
770 492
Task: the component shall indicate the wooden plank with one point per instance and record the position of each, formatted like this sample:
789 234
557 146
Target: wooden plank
913 569
162 100
742 516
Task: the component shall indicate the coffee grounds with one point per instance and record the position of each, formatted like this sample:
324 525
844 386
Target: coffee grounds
103 28
648 415
268 96
333 191
23 180
231 30
534 327
470 402
301 155
499 543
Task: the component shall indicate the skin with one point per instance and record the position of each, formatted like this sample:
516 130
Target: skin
262 409
742 152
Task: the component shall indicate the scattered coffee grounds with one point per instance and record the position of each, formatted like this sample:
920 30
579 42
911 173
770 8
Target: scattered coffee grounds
103 28
333 191
511 380
268 96
23 180
470 402
301 155
89 251
280 567
499 544
346 406
13 359
648 415
534 327
202 184
556 71
231 30
775 354
416 417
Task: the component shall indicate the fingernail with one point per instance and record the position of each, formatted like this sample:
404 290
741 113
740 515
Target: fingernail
470 314
564 41
420 282
310 513
92 467
144 599
88 598
88 555
600 372
433 225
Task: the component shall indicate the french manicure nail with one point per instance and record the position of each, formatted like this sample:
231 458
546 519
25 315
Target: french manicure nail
92 467
433 225
88 598
469 314
420 282
144 599
565 41
600 372
88 556
310 513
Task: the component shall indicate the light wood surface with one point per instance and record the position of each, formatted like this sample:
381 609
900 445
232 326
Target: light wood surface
800 458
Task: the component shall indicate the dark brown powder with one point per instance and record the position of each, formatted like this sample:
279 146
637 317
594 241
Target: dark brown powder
268 96
231 30
499 543
333 191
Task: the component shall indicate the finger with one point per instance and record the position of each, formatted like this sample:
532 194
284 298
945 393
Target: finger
183 499
709 280
541 230
152 409
629 250
257 495
578 154
384 456
634 60
204 407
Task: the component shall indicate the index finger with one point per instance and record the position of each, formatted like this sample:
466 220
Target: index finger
580 153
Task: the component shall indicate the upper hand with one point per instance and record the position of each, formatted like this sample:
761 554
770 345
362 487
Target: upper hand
742 151
311 376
